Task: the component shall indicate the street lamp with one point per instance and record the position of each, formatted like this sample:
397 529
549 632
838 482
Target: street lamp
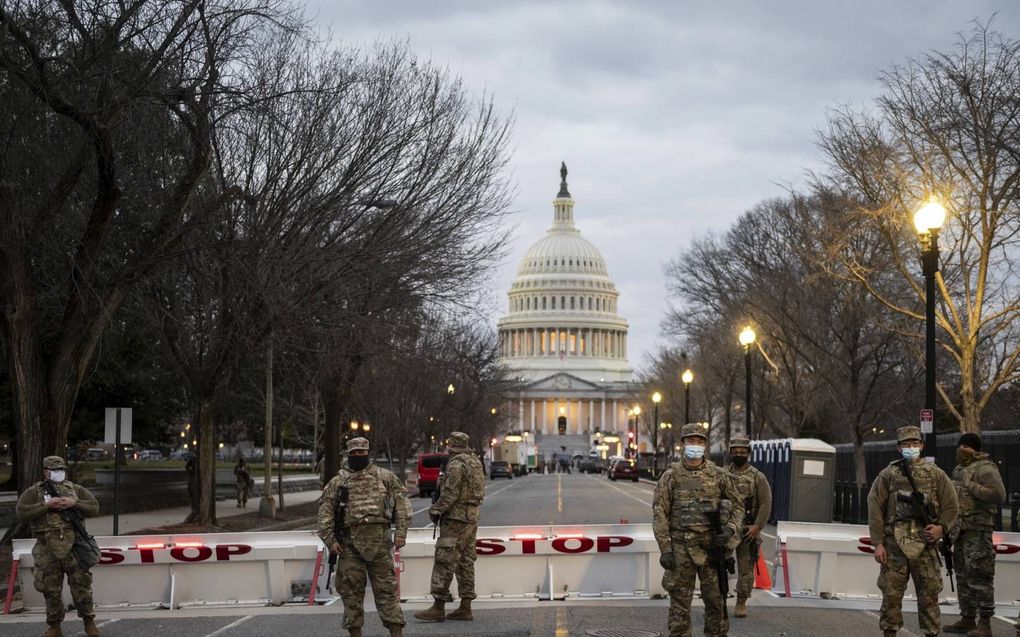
667 433
747 338
633 435
656 398
688 378
928 221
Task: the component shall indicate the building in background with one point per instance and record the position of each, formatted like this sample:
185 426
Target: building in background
563 338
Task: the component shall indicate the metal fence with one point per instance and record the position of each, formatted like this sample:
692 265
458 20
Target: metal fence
851 505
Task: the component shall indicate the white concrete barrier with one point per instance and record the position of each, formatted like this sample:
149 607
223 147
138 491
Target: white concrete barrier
233 569
837 560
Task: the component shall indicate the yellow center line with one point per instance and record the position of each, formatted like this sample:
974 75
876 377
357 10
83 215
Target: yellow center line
561 622
559 493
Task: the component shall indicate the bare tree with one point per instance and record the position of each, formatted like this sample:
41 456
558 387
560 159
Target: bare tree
108 109
946 124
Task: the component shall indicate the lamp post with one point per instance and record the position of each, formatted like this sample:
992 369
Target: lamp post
747 338
633 437
928 221
656 398
667 435
688 378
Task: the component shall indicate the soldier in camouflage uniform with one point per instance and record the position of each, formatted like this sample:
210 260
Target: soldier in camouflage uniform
904 546
55 538
755 500
980 491
461 489
687 493
376 499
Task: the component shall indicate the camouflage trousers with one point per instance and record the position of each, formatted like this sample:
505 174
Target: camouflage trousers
745 567
368 559
679 583
49 580
975 573
455 555
241 490
892 581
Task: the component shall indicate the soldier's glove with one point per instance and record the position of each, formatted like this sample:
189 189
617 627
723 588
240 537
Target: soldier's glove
723 537
667 561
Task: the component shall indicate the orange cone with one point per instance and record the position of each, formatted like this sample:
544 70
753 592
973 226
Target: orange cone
761 574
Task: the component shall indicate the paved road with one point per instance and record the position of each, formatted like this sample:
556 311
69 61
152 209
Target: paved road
770 617
558 499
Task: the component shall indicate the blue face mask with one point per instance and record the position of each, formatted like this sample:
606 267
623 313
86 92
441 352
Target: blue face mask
911 453
694 452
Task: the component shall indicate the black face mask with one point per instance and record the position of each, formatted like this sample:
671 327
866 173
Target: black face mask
738 461
357 463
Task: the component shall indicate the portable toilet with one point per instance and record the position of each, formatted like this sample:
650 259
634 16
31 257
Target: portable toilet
801 472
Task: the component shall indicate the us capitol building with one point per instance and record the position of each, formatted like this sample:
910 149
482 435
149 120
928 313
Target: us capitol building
564 339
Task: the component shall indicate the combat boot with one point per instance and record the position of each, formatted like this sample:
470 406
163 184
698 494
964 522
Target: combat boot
91 630
961 627
983 628
355 632
435 613
741 609
463 613
54 631
397 632
888 633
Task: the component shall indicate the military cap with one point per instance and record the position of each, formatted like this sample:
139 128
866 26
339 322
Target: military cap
740 441
910 432
53 462
459 440
693 429
357 444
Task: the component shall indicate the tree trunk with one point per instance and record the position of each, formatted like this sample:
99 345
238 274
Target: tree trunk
206 465
861 471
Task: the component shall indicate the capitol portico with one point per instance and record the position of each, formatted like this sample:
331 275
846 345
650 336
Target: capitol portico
563 337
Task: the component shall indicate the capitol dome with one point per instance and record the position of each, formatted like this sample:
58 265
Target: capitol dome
562 307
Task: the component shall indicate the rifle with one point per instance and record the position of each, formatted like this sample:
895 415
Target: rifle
85 549
436 493
721 558
338 527
925 511
749 516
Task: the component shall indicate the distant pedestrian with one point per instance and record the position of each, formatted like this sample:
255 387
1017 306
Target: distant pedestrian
980 492
462 489
756 504
242 482
46 507
905 545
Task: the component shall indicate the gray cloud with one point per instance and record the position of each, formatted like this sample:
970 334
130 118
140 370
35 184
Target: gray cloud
674 117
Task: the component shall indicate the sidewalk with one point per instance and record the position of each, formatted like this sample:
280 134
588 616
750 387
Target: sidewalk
131 522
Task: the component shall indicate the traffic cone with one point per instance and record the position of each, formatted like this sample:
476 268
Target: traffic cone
762 580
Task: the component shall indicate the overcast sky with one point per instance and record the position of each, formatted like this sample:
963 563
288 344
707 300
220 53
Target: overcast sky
673 117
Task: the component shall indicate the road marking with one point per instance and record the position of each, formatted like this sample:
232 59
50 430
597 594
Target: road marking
561 622
229 626
488 495
108 621
874 615
559 494
629 495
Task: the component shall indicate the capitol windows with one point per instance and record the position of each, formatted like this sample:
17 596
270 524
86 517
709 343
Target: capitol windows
563 302
543 303
553 303
572 303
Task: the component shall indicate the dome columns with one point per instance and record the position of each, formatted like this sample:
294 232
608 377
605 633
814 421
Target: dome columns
586 342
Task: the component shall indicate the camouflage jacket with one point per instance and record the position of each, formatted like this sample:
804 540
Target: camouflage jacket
890 516
686 496
980 491
754 489
375 496
47 525
462 488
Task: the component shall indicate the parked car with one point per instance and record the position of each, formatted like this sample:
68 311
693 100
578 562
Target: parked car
95 453
624 469
500 469
150 454
592 465
430 465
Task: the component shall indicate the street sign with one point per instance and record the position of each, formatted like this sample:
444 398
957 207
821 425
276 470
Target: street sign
111 425
927 421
